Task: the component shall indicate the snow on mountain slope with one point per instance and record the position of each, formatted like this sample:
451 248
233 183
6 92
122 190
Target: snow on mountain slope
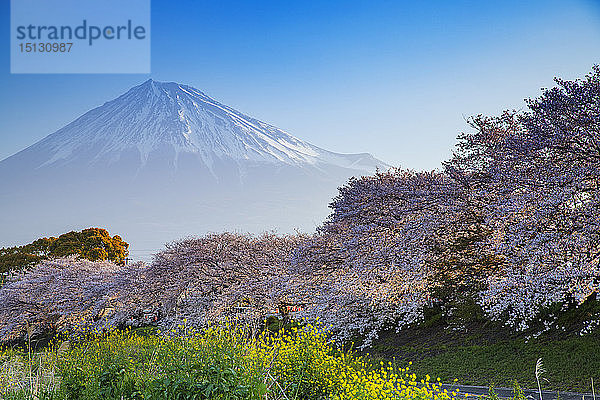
156 116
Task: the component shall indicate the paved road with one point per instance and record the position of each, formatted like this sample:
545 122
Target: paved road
529 393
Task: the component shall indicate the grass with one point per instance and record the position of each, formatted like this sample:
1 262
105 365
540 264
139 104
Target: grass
223 362
569 363
489 358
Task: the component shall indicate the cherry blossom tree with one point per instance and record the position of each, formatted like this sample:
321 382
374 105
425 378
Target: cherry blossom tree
366 267
218 276
66 294
550 210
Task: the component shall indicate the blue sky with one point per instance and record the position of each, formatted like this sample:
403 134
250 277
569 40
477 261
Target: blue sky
396 79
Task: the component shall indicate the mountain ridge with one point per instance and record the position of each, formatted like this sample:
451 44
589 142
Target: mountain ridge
154 115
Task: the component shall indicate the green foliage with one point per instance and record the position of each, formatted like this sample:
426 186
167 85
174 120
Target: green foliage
116 382
73 383
518 393
16 258
199 384
223 363
492 395
93 244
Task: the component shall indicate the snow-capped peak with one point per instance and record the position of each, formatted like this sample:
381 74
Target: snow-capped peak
167 116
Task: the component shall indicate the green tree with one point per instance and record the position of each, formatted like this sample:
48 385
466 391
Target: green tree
93 244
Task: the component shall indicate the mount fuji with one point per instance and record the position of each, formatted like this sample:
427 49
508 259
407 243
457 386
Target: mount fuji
165 160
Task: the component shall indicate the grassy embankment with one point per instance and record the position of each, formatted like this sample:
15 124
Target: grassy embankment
486 354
